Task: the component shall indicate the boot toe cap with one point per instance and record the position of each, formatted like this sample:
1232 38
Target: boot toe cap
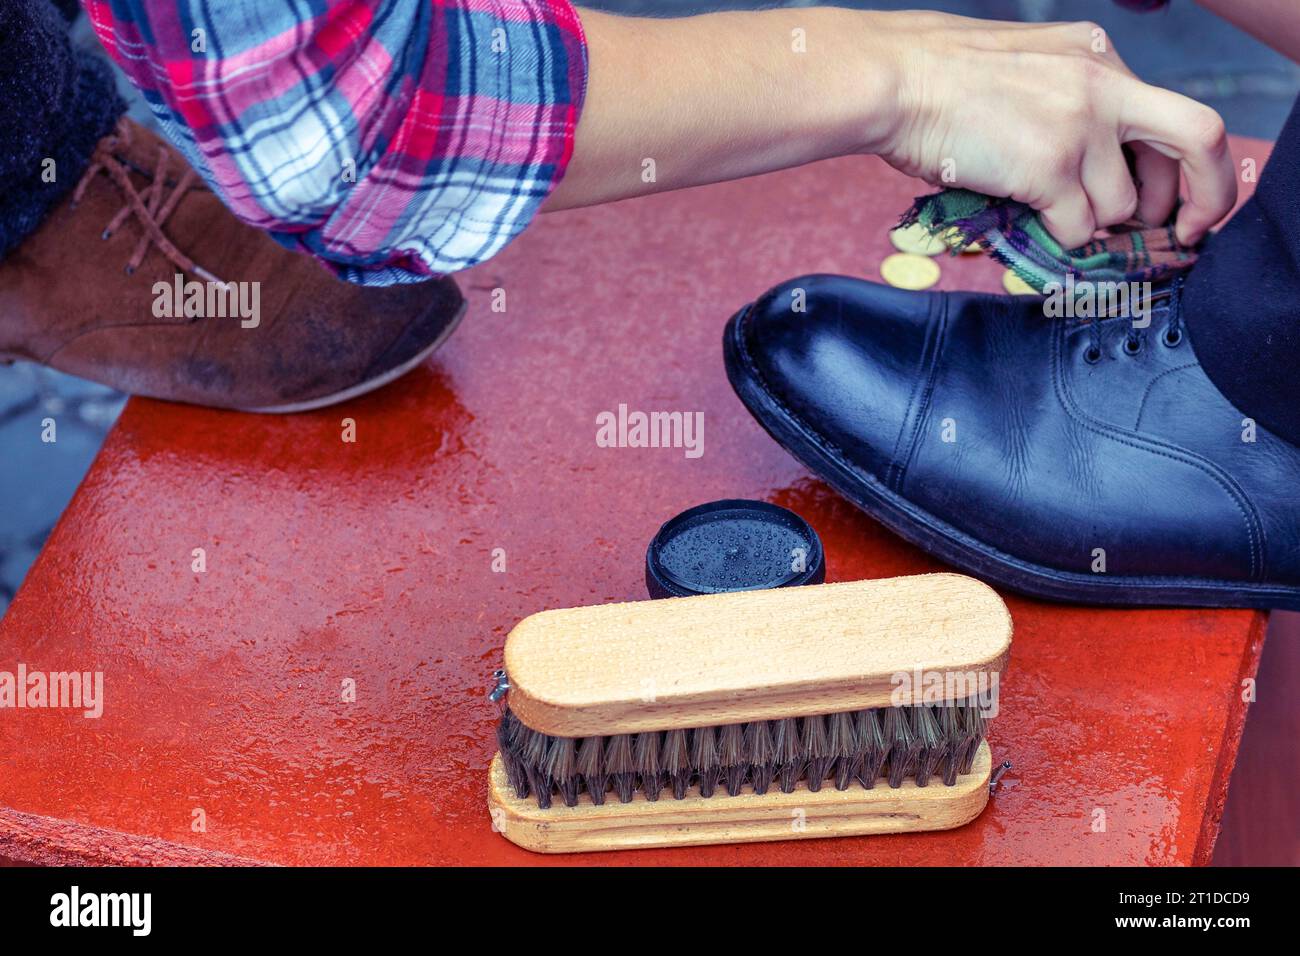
437 309
841 357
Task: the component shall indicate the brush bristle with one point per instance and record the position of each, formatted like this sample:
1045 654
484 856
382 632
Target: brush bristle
854 749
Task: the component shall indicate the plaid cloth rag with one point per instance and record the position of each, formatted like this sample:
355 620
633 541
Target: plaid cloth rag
1012 233
392 139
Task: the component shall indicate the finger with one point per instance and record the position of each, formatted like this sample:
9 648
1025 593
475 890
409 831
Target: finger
1069 216
1157 176
1194 135
1211 193
1109 186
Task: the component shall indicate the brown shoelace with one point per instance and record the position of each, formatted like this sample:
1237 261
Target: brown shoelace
150 207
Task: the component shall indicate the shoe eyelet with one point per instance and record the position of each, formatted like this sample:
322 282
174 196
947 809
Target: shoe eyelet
1092 355
1132 345
1172 338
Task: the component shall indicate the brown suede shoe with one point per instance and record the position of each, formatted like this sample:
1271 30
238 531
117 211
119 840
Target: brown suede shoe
144 281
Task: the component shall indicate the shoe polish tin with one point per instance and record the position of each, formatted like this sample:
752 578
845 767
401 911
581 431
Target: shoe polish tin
733 545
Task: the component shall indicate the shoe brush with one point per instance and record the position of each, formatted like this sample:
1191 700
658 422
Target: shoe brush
825 710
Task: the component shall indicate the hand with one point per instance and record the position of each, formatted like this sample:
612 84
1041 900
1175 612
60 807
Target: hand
1039 113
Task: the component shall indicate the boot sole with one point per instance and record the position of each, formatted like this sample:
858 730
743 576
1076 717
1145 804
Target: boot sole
371 384
942 540
347 394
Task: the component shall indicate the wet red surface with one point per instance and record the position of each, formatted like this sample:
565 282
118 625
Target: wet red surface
372 562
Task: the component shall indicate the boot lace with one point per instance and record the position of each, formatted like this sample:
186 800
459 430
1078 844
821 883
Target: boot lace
151 207
1172 336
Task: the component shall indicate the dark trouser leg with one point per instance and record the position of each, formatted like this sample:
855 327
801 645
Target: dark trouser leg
1242 299
55 104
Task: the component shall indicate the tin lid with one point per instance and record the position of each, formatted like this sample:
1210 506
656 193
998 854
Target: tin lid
733 545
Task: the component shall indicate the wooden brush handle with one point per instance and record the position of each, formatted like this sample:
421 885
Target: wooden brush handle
744 818
750 655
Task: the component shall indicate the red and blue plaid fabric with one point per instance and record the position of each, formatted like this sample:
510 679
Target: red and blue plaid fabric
392 139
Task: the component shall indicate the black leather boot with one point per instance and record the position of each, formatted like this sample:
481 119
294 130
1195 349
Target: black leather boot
1075 459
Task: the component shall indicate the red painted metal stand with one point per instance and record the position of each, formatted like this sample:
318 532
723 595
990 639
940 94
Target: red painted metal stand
372 562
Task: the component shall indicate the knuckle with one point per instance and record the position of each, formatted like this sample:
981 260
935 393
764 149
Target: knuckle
1085 30
1081 113
1129 208
1093 70
1209 131
1081 84
1062 164
1119 210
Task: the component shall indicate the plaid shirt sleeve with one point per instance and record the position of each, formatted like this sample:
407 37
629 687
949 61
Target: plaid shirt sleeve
392 139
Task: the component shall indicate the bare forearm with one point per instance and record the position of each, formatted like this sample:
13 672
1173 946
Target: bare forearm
1036 112
674 103
1276 22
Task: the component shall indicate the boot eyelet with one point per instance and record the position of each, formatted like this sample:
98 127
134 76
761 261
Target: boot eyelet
1172 338
1132 346
1092 355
